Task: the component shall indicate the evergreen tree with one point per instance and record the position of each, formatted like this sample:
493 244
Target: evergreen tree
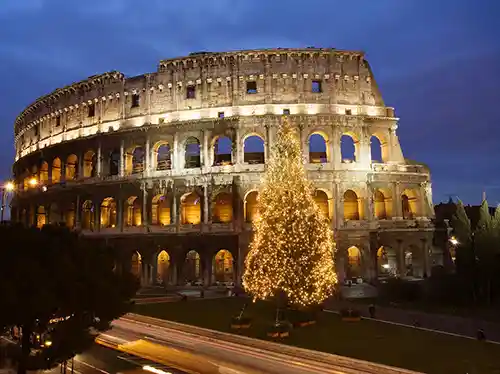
58 291
291 254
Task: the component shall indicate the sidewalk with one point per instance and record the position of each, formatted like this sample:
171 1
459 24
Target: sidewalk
444 323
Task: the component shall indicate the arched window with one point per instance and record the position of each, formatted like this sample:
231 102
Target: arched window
71 163
163 267
163 157
192 268
88 215
56 170
317 149
223 208
69 216
44 172
41 217
251 207
380 205
222 151
253 150
89 164
321 199
192 153
354 262
133 212
160 210
135 161
348 148
223 266
114 162
136 264
108 213
409 204
351 206
191 209
376 149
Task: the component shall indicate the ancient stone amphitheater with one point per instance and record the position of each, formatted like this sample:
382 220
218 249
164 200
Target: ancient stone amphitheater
165 166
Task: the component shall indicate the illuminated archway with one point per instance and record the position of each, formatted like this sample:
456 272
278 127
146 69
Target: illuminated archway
351 206
108 213
89 164
163 267
383 265
191 209
88 215
44 172
354 262
56 170
160 210
375 149
69 216
321 199
409 203
136 264
41 216
134 162
71 163
253 150
251 207
223 268
163 156
318 150
192 266
223 208
133 212
382 204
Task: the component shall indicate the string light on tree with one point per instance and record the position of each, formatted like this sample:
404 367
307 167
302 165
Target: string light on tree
292 249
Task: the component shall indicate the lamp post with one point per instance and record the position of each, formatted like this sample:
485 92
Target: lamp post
6 188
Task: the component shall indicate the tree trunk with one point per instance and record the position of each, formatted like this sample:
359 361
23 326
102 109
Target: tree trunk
22 365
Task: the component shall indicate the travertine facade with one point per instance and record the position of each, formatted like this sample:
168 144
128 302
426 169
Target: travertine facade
169 162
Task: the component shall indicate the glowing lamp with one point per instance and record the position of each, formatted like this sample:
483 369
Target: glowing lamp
33 182
9 186
454 241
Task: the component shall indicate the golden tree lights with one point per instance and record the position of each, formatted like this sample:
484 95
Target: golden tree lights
292 249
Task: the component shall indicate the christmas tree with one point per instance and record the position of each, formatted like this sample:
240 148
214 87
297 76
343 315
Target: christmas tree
291 254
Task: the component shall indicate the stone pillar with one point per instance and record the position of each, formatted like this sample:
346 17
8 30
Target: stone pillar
267 144
423 203
173 209
397 210
336 150
77 213
400 255
122 158
173 273
79 172
63 171
145 216
369 208
238 150
97 216
147 157
427 261
205 159
119 214
176 162
205 204
99 160
207 271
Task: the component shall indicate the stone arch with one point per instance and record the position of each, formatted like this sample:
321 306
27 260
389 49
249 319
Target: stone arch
223 266
163 267
192 266
223 208
108 213
191 209
70 215
87 215
379 147
134 160
251 206
71 165
322 201
409 203
349 147
44 172
114 162
414 261
382 203
385 262
318 148
351 206
89 164
160 210
163 156
56 170
136 264
41 216
253 149
354 269
192 153
222 150
133 212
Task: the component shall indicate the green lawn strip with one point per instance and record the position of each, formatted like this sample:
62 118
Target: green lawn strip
388 344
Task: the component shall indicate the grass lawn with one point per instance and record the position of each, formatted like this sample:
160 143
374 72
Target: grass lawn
367 340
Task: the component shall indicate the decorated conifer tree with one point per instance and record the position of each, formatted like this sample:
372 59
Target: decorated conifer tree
291 254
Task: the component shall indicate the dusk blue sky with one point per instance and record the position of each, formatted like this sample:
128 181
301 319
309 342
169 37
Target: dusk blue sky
436 61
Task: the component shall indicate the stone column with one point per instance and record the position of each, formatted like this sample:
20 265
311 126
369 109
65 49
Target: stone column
99 160
147 157
119 214
97 216
423 203
77 213
122 158
205 159
205 204
400 255
237 151
176 162
79 172
207 271
336 150
397 210
267 144
145 217
173 210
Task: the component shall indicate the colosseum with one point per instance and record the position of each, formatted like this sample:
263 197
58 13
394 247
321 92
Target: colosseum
165 167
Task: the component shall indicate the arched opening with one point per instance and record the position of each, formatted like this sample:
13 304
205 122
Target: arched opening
348 148
71 163
382 204
41 217
89 164
163 267
44 172
54 214
408 261
192 153
223 147
135 161
251 207
133 212
351 206
69 216
190 209
56 170
136 264
163 156
321 199
223 268
223 208
108 213
160 210
253 150
192 267
114 162
88 215
375 149
318 152
383 265
409 204
354 262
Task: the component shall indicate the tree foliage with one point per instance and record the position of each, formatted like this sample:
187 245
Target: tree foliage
291 254
53 284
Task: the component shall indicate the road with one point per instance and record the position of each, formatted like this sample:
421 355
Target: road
102 360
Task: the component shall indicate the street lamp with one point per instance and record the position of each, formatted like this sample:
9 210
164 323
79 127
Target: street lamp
6 188
454 241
